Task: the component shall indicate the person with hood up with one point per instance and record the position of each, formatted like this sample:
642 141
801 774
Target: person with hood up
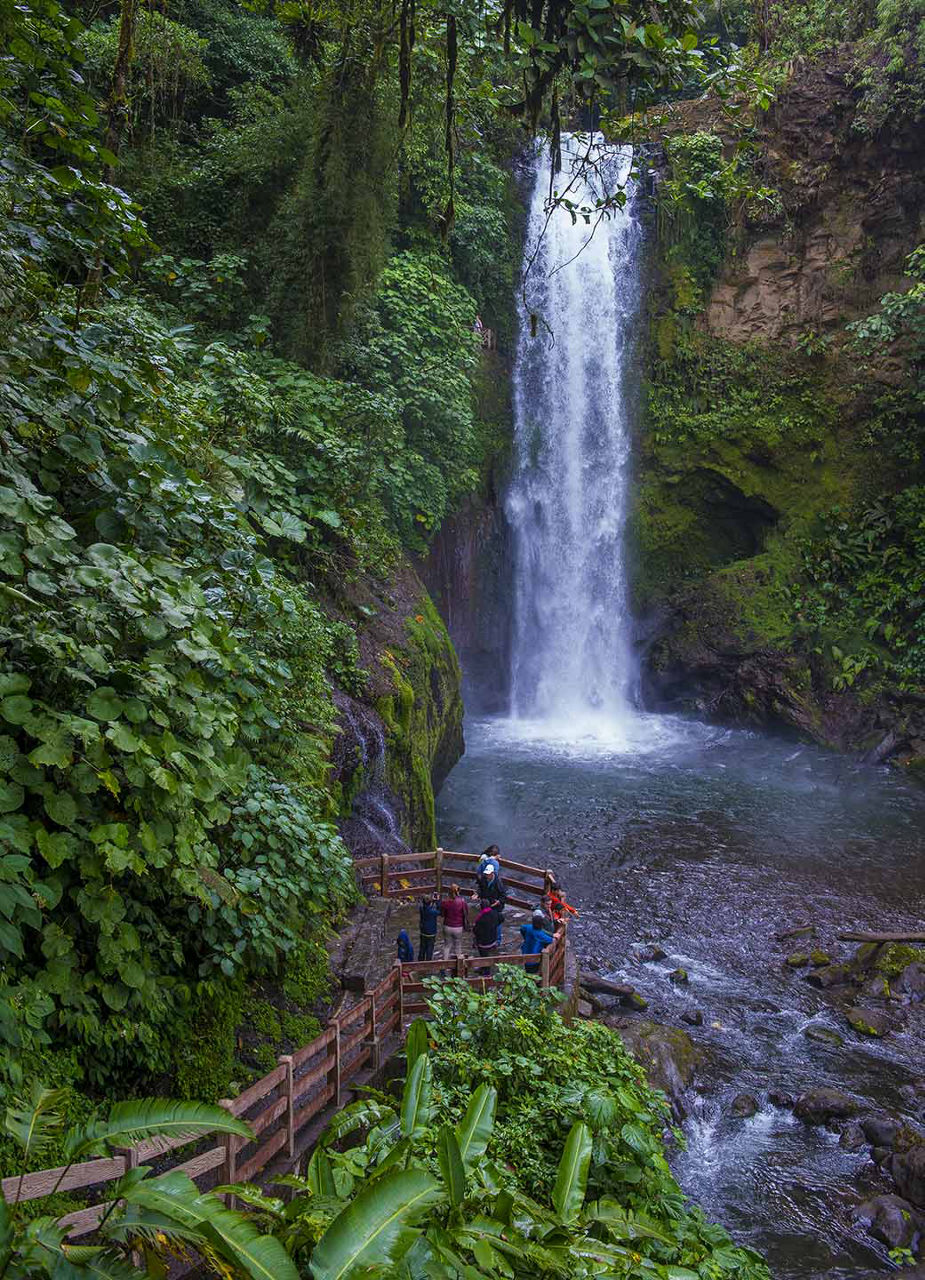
536 938
486 929
405 949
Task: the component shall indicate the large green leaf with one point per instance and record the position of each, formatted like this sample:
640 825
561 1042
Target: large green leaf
35 1124
320 1175
474 1130
568 1194
95 1260
416 1041
130 1122
415 1103
451 1166
176 1197
377 1228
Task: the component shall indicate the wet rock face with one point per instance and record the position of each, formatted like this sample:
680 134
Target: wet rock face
908 1170
667 1054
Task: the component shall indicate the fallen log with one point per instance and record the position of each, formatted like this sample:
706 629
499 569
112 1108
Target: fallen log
592 982
792 933
881 937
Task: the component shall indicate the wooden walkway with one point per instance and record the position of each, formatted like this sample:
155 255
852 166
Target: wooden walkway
290 1106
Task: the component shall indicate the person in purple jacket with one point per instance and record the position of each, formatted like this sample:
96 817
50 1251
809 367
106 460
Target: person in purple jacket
455 921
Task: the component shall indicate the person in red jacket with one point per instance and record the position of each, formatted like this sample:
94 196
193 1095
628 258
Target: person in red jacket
455 922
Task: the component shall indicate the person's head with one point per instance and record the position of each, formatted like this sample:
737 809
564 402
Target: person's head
489 872
435 896
454 890
539 919
484 903
492 852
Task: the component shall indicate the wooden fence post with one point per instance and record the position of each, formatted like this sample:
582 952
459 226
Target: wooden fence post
285 1060
397 968
335 1070
544 965
231 1151
384 875
460 966
438 870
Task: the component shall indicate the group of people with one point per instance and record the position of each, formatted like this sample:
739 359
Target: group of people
488 903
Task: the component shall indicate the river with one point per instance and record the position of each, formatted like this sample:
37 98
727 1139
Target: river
709 841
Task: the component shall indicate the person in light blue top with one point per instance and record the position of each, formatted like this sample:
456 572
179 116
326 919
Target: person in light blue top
535 939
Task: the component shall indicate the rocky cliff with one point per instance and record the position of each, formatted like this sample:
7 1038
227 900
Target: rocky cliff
399 739
763 450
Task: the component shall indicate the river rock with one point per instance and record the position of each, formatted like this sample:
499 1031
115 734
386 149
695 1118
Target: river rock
876 988
780 1098
832 975
679 977
744 1106
693 1017
822 1035
667 1054
797 960
880 1130
852 1137
819 959
908 1170
891 1220
820 1106
869 1022
911 981
653 952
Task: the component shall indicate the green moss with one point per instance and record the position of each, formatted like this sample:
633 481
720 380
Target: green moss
205 1041
894 958
422 716
308 978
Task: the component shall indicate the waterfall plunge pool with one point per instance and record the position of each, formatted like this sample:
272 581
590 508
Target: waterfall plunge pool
709 841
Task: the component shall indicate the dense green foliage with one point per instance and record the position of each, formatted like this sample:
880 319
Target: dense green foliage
522 1146
151 1218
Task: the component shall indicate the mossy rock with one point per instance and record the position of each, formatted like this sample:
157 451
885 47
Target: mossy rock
819 958
896 956
869 1022
797 960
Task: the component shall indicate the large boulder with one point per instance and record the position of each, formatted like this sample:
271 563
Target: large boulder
911 982
891 1220
821 1106
668 1055
870 1022
908 1170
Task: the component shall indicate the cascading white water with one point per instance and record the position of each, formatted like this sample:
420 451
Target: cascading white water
572 659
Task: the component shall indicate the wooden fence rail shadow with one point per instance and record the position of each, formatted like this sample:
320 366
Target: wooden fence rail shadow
314 1078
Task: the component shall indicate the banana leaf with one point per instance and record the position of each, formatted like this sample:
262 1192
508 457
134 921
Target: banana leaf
378 1227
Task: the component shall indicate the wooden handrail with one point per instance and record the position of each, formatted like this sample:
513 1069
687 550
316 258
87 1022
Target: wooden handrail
305 1082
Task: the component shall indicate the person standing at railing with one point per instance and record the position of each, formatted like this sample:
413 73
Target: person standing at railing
489 884
455 921
429 912
486 929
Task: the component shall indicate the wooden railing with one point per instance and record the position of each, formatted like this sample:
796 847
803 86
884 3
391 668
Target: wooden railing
304 1084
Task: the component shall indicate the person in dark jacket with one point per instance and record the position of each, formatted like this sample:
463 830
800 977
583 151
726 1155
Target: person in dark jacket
490 886
405 949
486 929
429 914
536 938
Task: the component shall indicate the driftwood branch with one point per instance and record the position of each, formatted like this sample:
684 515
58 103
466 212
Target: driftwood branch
591 982
881 937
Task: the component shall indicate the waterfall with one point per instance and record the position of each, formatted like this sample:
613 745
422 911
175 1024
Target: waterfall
572 661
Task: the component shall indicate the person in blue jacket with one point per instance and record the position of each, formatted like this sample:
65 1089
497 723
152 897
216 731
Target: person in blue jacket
535 939
405 949
429 912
